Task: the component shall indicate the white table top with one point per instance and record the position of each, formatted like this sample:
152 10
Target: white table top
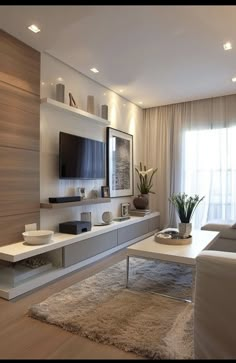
149 248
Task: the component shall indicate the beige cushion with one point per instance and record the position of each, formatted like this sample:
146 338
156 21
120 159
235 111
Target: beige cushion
226 230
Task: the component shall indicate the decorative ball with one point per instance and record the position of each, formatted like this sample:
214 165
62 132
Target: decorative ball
107 217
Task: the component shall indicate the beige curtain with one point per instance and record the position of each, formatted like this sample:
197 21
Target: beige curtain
164 143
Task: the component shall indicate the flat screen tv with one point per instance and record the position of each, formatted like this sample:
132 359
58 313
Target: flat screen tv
80 157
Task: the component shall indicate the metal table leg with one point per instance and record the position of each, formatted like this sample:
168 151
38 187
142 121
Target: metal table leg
127 271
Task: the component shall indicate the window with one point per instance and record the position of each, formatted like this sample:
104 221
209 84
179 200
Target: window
210 169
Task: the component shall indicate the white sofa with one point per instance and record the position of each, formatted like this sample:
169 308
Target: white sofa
215 297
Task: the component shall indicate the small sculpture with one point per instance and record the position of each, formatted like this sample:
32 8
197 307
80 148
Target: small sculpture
107 217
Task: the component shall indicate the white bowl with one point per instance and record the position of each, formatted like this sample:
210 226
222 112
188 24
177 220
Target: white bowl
38 237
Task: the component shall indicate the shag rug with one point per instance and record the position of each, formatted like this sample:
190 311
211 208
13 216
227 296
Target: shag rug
135 319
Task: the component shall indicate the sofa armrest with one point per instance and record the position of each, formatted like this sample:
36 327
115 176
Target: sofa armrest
227 237
214 305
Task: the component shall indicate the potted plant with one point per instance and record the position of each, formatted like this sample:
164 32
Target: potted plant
185 206
144 186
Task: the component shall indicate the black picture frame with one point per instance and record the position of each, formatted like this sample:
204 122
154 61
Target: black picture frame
120 178
105 192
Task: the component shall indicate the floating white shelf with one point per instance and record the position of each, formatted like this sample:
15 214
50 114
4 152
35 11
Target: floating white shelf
74 204
28 280
59 106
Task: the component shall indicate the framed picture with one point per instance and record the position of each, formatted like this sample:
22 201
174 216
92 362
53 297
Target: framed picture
105 191
119 163
125 209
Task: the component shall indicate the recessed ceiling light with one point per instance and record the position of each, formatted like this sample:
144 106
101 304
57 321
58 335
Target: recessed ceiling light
94 70
140 102
60 79
121 90
34 28
234 79
227 46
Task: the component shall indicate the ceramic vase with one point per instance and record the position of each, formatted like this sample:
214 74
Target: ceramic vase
141 201
107 217
185 229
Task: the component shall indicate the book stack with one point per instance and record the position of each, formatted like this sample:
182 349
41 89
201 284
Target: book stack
139 212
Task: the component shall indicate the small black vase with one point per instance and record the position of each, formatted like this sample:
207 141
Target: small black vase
141 201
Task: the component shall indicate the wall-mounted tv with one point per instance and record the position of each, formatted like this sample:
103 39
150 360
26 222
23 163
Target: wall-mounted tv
80 157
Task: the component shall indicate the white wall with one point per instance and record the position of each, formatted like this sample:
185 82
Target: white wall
124 116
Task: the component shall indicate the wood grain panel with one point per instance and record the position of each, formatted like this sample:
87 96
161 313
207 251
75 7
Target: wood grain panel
19 64
19 99
19 181
11 227
19 118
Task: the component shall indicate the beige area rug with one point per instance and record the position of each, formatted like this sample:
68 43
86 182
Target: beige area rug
135 319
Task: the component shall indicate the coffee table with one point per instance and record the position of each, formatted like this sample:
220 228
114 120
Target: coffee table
182 254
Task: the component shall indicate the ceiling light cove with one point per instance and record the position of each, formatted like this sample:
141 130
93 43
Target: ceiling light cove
227 46
94 70
34 28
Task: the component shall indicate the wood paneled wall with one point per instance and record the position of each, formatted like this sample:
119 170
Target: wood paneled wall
19 137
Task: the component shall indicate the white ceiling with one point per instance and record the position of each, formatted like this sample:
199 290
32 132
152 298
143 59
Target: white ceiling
155 54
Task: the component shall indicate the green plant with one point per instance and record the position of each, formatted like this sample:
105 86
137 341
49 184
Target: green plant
145 180
185 206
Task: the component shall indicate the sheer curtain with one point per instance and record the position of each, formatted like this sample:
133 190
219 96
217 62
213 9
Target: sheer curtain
193 144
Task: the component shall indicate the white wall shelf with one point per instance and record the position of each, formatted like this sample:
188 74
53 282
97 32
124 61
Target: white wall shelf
75 204
59 106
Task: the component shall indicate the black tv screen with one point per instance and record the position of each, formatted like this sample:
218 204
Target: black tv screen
80 157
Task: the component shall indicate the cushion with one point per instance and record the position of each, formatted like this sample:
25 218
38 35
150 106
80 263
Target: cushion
226 230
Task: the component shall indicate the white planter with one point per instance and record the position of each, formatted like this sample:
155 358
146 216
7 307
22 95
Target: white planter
185 229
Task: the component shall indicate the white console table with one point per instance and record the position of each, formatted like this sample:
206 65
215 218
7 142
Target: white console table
69 252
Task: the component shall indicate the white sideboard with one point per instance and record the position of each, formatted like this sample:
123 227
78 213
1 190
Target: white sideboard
67 253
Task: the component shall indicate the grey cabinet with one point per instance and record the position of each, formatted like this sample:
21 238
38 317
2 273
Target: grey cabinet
132 231
87 248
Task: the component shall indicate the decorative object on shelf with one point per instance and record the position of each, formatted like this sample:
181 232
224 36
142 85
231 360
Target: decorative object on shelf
119 163
86 216
141 201
72 101
94 193
145 182
144 186
104 112
125 209
90 104
139 212
107 217
60 92
185 207
81 192
38 237
35 261
105 192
